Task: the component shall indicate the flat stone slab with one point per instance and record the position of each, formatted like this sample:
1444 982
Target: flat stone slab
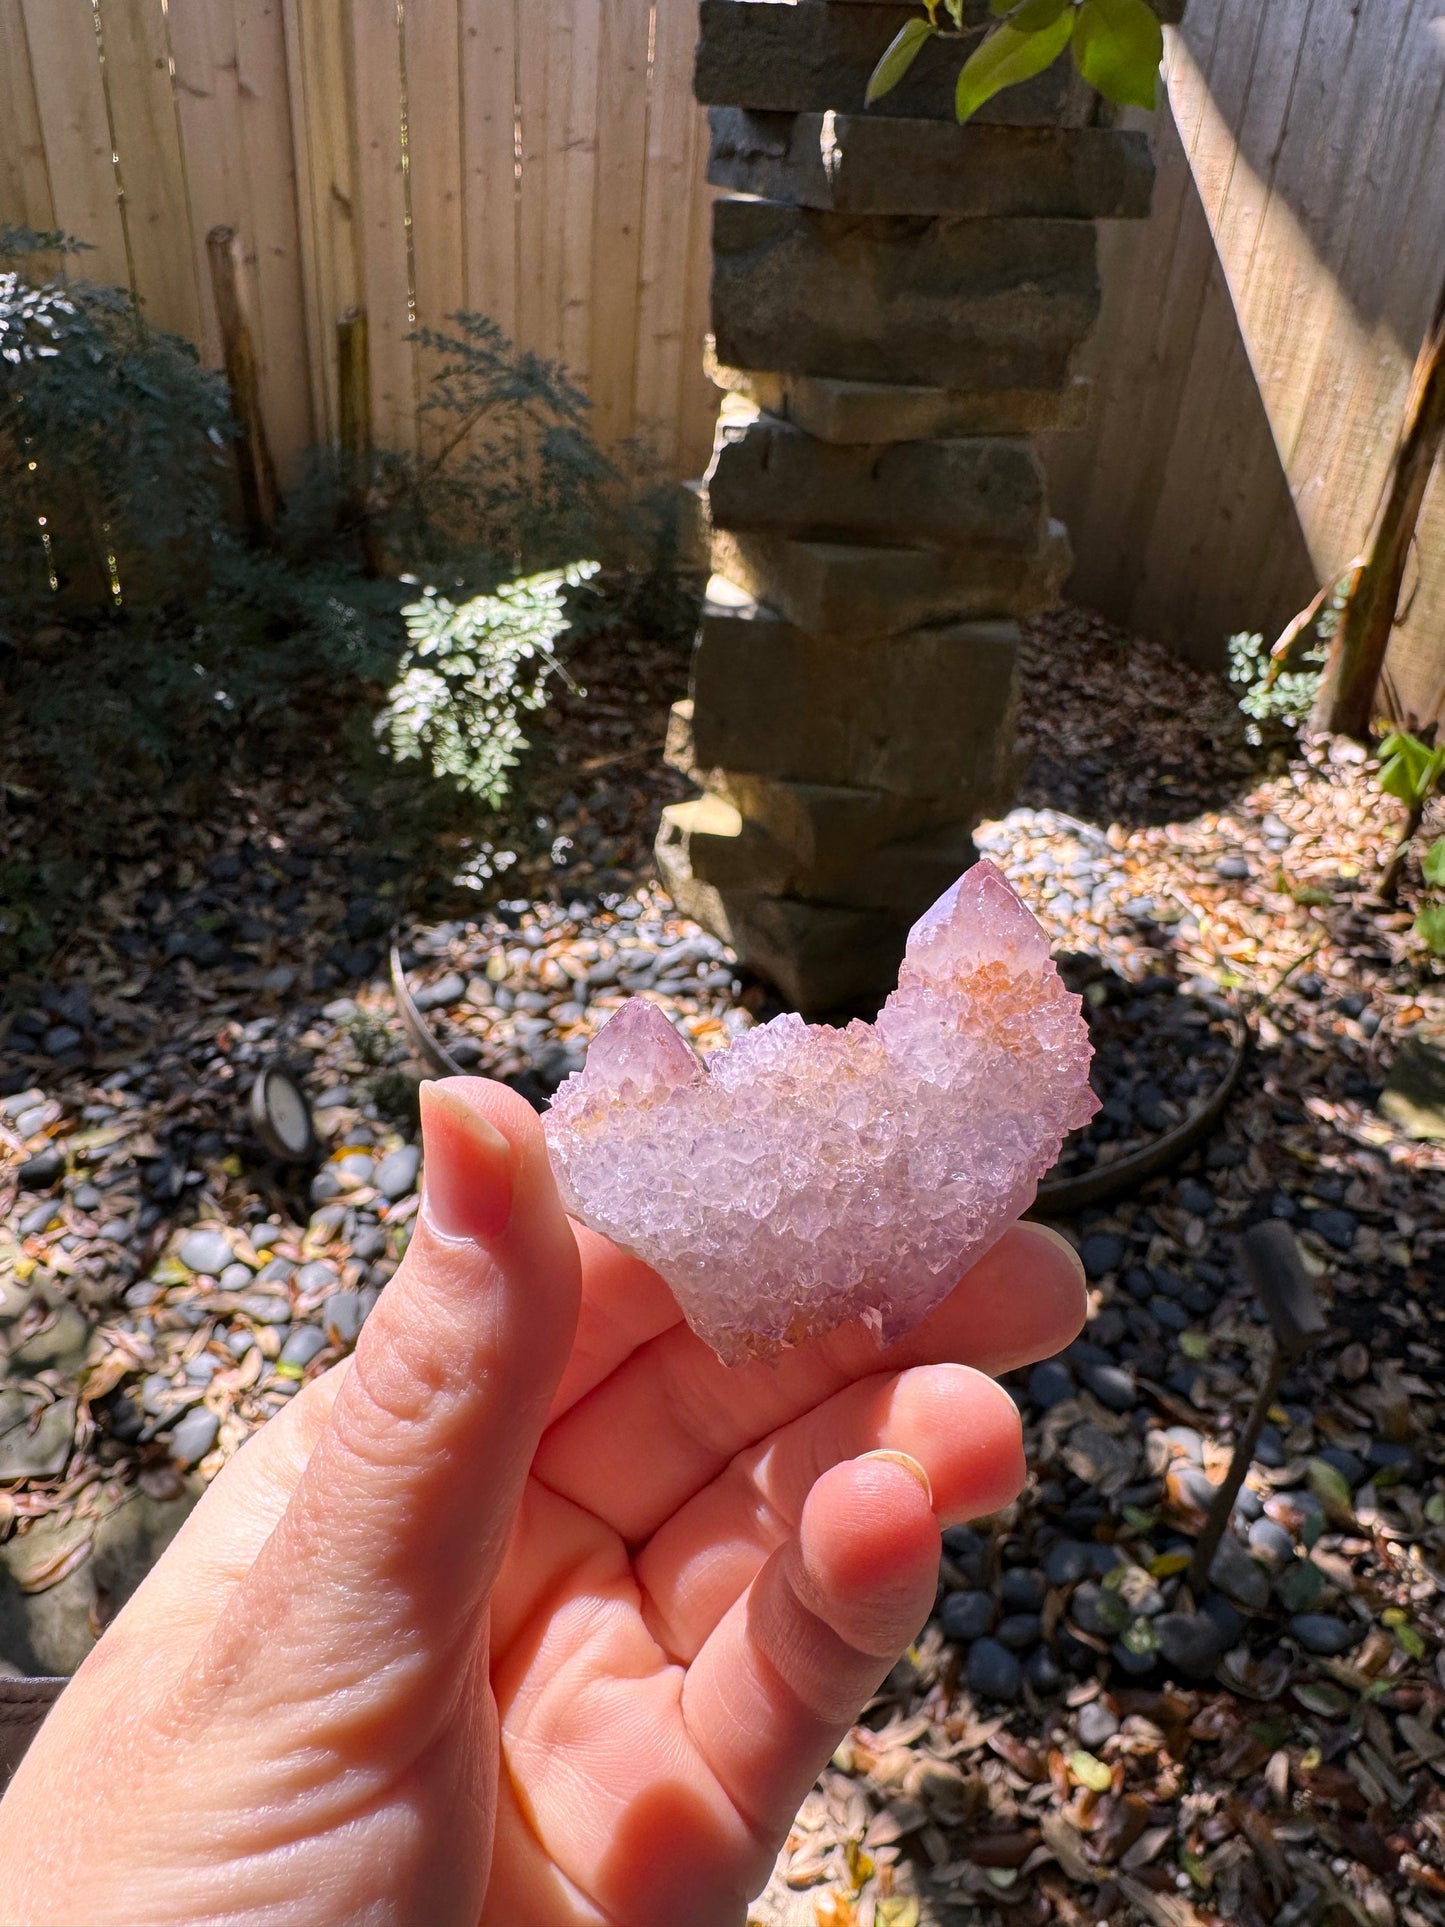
876 411
822 957
862 163
861 592
823 826
816 54
771 476
932 301
720 848
911 714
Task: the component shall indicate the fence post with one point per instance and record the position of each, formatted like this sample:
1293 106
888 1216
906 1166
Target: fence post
260 498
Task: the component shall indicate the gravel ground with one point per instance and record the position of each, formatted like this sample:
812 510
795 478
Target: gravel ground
1075 1737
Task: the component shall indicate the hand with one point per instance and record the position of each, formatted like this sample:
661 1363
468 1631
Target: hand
531 1613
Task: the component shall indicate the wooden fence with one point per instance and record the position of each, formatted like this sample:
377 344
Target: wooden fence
543 164
1258 333
538 164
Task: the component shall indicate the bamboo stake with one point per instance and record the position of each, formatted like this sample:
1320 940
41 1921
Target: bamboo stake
260 498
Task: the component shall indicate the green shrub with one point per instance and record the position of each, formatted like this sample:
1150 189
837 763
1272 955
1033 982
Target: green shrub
469 671
141 635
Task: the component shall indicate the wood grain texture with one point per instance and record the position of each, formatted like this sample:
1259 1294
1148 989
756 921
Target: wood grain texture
25 199
489 186
676 133
70 96
434 176
234 111
154 210
381 219
1258 333
617 216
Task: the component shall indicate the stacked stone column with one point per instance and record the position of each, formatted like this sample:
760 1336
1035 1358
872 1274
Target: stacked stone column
897 304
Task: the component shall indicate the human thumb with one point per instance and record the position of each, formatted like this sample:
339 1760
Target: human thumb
401 1518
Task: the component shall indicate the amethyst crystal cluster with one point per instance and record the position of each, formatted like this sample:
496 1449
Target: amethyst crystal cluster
806 1177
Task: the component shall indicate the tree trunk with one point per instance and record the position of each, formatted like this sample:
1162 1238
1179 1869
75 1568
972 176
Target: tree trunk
1346 702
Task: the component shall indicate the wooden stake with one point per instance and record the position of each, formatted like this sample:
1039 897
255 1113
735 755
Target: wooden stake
260 498
358 510
1346 702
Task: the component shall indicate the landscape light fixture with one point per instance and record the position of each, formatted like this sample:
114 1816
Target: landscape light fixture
281 1117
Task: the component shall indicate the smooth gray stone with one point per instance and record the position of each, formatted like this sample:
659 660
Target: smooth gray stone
396 1175
302 1346
1238 1576
1324 1634
40 1453
206 1249
194 1436
992 1671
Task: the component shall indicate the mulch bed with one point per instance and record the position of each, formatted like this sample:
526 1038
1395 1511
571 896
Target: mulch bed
1074 1737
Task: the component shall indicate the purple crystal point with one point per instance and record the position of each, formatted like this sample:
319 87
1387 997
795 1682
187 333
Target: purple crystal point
640 1049
980 920
807 1177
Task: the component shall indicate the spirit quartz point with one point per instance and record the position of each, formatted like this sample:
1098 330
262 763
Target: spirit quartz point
806 1177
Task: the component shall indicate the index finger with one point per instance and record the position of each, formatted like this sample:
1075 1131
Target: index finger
670 1415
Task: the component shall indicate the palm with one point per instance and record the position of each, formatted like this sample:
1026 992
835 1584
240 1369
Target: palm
651 1751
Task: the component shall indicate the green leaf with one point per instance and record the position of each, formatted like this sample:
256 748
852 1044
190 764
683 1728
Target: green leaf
1032 16
1091 1772
1118 45
1327 1701
1302 1586
1433 864
1006 57
1430 924
1331 1488
906 46
1409 769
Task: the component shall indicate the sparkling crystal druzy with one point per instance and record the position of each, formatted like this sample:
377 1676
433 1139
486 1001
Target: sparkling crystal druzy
805 1176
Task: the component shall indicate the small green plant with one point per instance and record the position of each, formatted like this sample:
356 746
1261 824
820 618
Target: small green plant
1412 770
469 671
1430 924
1117 47
1275 701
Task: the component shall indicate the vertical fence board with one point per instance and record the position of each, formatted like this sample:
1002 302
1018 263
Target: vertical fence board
381 221
532 209
617 221
434 161
672 123
65 65
275 235
1255 352
25 199
1141 347
232 104
489 160
584 104
153 181
1219 361
318 69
